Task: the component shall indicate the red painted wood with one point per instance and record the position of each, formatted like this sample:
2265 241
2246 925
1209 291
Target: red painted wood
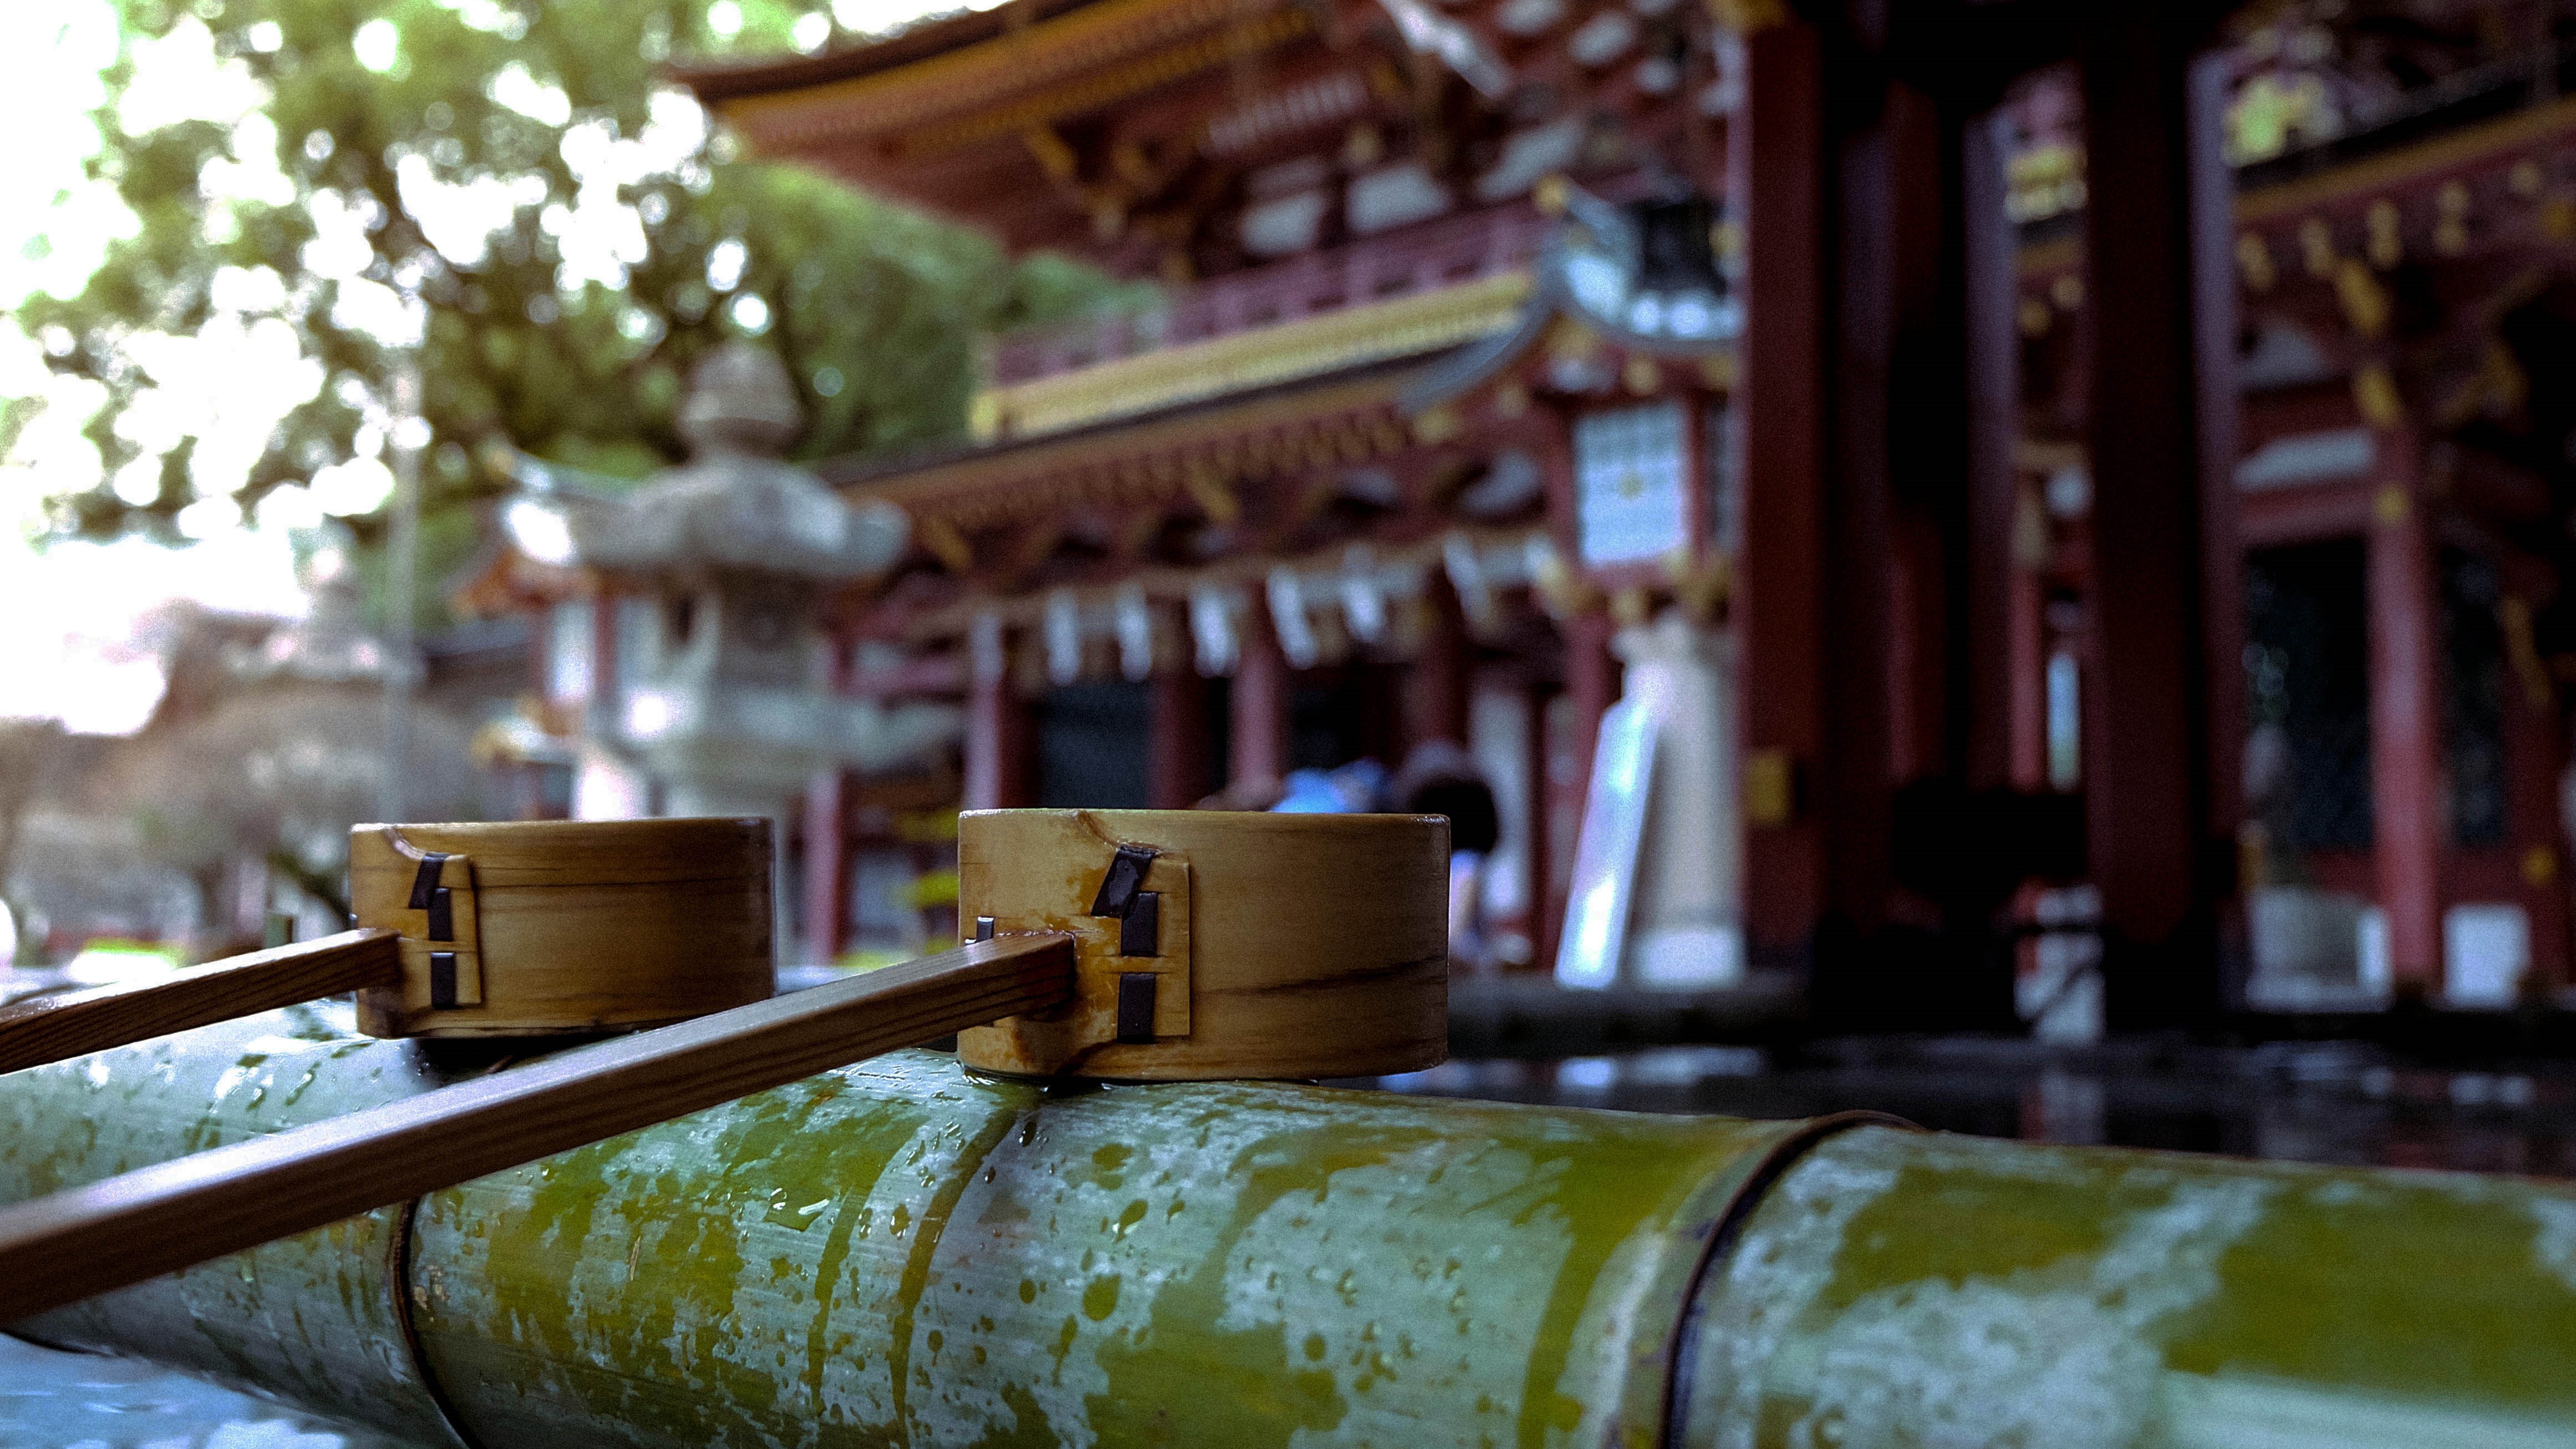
603 645
1592 680
827 865
999 740
1435 681
2536 752
2158 205
2005 732
2027 646
1539 846
1917 677
2306 513
1258 733
1893 373
1775 170
2217 420
2406 746
1177 763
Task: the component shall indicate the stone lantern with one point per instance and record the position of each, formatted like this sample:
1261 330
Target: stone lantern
724 688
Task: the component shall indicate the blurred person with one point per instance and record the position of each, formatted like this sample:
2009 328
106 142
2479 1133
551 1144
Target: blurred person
1358 788
1441 778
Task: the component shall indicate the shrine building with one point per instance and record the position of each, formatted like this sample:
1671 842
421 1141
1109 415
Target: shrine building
1438 386
2122 559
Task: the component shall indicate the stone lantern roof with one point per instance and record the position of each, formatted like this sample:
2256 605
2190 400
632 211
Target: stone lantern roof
331 644
736 505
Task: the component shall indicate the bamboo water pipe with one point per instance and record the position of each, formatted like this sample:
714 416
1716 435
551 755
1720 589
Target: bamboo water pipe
899 1253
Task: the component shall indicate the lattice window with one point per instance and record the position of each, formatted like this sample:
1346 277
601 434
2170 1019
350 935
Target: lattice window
2473 699
2307 677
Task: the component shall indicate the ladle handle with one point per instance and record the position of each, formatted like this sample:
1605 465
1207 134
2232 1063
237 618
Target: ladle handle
84 1240
51 1028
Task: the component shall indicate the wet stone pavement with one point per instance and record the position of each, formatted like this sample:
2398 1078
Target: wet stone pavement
2344 1103
2331 1102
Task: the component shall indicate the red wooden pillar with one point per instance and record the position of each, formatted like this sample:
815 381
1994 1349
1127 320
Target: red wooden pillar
2004 721
827 843
603 650
2406 754
1775 179
827 868
2162 715
2535 745
1592 681
1539 847
1177 750
1918 679
997 724
2027 648
1436 679
1258 723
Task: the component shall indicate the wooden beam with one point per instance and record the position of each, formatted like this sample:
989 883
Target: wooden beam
2409 814
1775 180
1999 621
2161 712
54 1028
827 865
1177 766
1435 681
999 738
1258 724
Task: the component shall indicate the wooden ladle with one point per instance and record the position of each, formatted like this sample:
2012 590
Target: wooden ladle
76 1023
85 1240
1127 944
519 930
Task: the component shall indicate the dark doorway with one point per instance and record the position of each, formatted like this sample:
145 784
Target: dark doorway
1092 743
2307 691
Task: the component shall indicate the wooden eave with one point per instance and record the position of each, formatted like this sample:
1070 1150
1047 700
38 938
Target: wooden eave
2344 192
962 117
719 81
982 83
1146 461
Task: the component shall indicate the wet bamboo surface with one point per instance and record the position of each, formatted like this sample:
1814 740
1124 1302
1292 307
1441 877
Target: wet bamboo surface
896 1253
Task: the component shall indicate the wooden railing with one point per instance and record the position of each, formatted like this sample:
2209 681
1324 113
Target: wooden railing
1370 269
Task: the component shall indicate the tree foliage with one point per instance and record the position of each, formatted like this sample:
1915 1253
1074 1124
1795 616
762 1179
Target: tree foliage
513 189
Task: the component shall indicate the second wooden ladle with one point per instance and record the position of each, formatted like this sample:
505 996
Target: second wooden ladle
1366 984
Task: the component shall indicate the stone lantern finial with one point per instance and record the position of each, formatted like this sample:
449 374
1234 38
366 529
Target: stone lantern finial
741 400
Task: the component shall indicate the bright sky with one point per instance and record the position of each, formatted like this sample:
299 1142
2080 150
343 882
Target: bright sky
72 650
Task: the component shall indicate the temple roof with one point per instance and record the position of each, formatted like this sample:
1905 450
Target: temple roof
720 81
1173 455
1199 137
957 114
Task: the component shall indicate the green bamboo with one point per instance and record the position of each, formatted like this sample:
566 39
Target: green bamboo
896 1253
310 1319
1913 1289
